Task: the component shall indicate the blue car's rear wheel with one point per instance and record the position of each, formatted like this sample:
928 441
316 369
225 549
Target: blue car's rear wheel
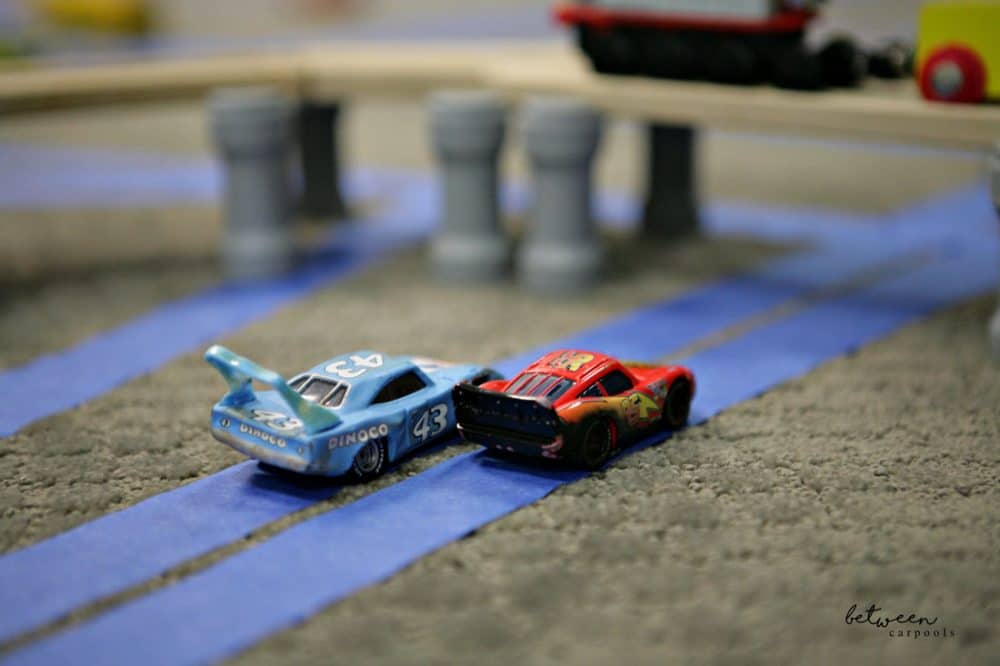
370 461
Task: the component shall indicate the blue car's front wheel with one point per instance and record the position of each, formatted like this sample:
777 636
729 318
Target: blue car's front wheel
370 461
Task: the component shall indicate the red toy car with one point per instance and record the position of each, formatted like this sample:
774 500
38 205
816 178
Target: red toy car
575 406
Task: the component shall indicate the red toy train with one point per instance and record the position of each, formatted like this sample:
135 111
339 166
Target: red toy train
725 41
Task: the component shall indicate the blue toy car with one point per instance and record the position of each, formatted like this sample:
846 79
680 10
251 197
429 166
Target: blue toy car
353 414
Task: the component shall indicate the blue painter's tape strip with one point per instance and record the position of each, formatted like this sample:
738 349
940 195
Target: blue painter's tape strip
620 211
648 333
216 613
687 319
98 573
691 316
46 581
36 177
295 574
791 347
110 359
42 177
95 576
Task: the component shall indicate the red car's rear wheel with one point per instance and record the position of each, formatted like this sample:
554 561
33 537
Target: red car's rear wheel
677 406
595 449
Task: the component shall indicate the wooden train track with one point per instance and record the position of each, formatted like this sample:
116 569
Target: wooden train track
891 113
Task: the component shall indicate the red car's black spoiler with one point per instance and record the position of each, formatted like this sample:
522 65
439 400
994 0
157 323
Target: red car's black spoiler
501 420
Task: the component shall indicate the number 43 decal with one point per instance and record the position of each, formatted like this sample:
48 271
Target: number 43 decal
357 366
432 422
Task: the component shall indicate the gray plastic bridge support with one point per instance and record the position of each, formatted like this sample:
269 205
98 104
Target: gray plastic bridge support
252 131
671 192
318 146
995 191
561 253
467 131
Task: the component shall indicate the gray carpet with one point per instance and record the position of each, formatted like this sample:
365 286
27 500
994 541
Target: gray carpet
744 541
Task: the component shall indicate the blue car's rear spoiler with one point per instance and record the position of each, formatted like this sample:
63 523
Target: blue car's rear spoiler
239 372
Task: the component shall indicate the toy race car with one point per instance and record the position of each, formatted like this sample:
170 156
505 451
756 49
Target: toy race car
353 414
574 406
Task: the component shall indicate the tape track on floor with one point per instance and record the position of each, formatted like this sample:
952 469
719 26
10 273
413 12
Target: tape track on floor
105 361
685 318
227 607
183 535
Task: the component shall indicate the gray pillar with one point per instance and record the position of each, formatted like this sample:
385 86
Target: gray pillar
561 251
671 198
252 131
318 150
995 191
467 130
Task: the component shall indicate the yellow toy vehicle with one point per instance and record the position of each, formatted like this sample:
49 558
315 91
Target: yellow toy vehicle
958 54
129 17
